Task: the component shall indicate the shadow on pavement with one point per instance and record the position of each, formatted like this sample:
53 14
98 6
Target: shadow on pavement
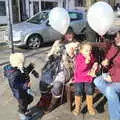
36 113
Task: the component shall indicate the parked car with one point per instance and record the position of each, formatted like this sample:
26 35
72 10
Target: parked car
36 30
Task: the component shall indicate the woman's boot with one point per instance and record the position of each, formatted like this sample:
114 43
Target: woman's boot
89 99
52 104
77 105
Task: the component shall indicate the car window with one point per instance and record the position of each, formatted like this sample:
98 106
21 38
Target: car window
75 16
39 18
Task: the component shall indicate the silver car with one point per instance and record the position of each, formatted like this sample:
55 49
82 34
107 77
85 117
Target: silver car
36 30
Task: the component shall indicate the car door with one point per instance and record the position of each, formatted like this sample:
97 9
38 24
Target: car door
49 33
77 21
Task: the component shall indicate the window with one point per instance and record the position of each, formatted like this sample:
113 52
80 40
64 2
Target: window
79 3
35 7
48 5
75 16
2 8
39 18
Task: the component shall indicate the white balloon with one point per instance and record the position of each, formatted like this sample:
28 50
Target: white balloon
100 17
59 19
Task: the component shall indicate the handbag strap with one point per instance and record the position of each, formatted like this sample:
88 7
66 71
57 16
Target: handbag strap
115 55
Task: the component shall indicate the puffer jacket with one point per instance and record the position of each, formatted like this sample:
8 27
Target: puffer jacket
18 81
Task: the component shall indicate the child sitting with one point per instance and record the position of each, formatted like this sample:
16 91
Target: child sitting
84 73
19 82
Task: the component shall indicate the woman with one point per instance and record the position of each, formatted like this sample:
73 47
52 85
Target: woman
109 83
62 53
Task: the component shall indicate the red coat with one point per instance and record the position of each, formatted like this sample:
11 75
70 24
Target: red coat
115 68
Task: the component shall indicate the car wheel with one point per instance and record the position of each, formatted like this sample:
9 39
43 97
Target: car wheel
34 42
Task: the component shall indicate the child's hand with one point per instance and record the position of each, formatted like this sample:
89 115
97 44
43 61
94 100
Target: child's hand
92 74
71 81
87 60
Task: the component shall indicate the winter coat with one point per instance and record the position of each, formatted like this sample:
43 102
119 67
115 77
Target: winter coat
18 81
82 69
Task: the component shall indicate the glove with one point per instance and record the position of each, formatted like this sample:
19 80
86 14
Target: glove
35 74
30 67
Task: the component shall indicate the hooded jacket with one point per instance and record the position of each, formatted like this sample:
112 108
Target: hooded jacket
18 81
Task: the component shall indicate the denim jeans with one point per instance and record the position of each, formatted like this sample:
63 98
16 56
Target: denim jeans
112 92
81 88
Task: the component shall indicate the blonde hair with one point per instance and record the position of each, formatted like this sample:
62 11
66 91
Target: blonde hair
84 43
17 60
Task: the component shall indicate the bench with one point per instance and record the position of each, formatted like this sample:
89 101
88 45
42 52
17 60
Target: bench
99 51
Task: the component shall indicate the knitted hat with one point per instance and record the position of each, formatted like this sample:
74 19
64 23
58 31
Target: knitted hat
17 60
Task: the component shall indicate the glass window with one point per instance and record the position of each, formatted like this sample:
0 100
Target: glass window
2 8
39 18
48 5
35 7
75 16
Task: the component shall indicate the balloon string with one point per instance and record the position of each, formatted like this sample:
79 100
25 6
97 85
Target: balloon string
102 38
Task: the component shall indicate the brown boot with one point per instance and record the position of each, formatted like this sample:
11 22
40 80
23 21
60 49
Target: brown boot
77 105
52 105
89 100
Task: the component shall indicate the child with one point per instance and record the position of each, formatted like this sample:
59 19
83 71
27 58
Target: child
85 69
19 82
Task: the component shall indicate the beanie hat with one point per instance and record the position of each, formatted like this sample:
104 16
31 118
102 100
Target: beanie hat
17 60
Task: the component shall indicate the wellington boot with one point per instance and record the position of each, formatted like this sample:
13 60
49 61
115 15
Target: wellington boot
89 99
76 111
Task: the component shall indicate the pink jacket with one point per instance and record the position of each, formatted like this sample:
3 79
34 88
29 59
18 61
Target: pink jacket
82 69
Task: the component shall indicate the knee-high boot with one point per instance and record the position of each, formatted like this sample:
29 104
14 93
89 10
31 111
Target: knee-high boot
52 104
77 105
89 100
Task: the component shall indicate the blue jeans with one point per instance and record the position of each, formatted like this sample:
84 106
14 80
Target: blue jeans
112 93
87 88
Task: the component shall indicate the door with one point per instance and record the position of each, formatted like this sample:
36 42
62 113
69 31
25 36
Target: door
50 33
77 21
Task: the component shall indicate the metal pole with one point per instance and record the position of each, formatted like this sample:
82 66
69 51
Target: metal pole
10 33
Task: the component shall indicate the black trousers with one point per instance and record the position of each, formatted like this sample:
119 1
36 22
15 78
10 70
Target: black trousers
24 101
81 88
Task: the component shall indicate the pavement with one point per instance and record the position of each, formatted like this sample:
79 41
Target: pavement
8 105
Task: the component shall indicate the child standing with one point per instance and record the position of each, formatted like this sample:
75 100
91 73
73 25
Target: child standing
85 69
19 82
